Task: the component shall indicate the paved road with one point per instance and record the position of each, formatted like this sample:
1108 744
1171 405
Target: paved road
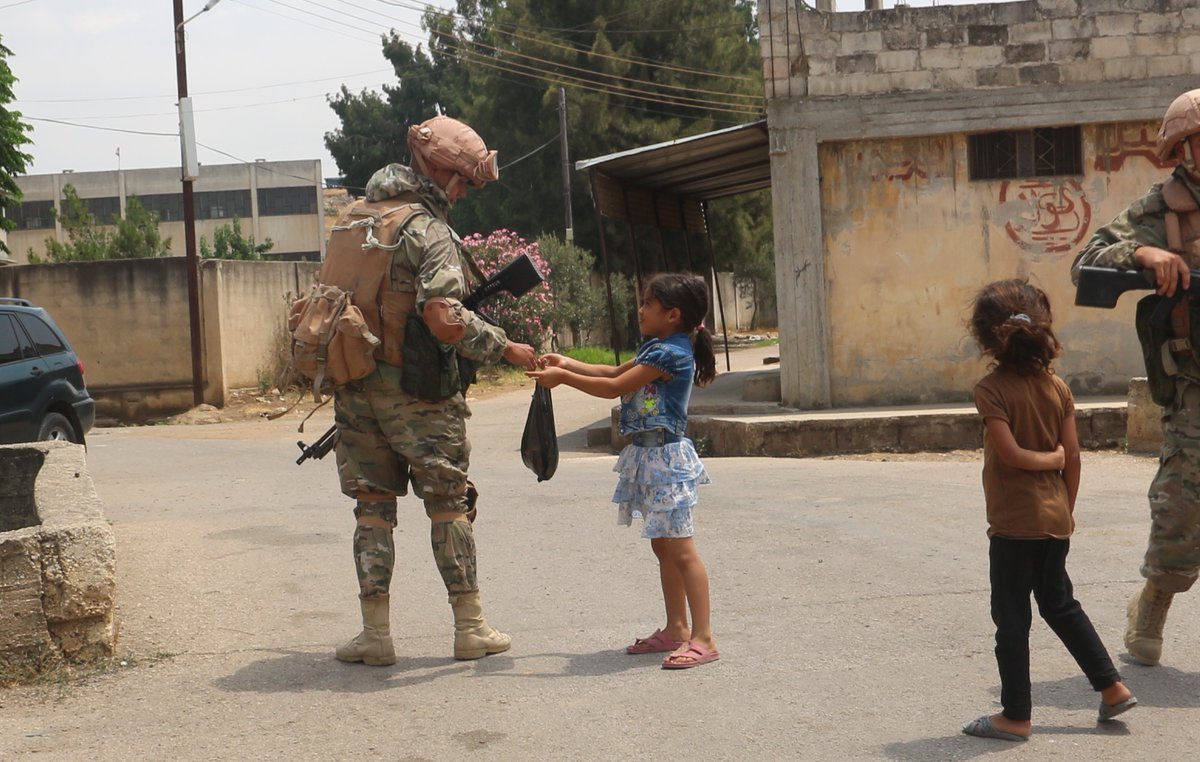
850 604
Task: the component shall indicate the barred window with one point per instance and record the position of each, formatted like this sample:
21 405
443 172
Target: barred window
33 215
106 210
279 201
1041 152
222 205
168 205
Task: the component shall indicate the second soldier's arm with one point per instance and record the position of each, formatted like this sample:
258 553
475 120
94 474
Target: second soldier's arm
1116 244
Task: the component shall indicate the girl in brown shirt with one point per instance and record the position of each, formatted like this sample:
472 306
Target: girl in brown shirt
1030 480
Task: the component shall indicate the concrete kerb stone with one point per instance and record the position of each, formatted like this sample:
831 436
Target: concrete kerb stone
57 560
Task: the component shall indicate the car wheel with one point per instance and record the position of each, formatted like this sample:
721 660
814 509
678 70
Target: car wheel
56 427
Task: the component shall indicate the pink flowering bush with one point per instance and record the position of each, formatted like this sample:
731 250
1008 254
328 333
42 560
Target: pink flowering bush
526 319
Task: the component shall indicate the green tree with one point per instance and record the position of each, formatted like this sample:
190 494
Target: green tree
13 160
136 236
230 243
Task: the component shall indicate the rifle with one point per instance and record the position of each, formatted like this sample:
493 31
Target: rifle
1102 286
318 449
518 278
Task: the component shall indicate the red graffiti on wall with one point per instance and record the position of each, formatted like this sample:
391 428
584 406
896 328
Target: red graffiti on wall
905 170
1142 147
1051 216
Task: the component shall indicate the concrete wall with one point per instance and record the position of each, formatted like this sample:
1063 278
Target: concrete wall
745 307
880 238
909 240
128 322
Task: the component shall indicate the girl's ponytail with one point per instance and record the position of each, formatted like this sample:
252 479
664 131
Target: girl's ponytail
704 356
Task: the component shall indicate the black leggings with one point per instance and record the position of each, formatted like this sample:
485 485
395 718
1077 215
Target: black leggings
1019 567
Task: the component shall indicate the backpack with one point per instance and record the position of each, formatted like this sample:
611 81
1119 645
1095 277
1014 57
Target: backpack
354 315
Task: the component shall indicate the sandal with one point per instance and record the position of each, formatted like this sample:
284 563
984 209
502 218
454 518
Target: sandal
983 728
656 643
690 655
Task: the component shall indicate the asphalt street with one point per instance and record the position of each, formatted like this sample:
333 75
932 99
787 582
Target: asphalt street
850 606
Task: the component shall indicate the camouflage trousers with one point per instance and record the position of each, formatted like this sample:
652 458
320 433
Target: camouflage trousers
1173 552
386 440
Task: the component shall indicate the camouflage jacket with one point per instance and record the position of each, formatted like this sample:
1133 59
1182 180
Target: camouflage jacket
432 253
1142 224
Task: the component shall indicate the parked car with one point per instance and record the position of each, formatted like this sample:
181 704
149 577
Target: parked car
42 393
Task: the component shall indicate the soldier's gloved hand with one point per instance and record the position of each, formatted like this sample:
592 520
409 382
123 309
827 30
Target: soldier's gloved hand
520 354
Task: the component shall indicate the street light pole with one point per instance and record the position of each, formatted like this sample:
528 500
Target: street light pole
192 259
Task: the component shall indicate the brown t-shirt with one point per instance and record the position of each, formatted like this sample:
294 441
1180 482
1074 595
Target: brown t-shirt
1020 503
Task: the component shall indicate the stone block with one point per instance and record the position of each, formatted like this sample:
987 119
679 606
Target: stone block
1125 68
1080 71
1168 66
861 42
1190 16
1158 23
906 38
855 64
940 37
897 60
1033 31
57 574
1025 53
1187 44
1068 50
1111 47
1013 14
1040 74
941 58
1115 25
996 77
762 387
1073 28
991 34
824 46
1057 9
906 81
954 79
1143 419
1154 45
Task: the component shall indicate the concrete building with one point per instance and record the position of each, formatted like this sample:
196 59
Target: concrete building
280 200
919 153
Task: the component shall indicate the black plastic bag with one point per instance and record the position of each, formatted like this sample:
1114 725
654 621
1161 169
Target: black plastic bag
539 443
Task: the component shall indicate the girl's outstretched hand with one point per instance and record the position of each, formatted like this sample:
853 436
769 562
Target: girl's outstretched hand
549 378
1060 458
551 360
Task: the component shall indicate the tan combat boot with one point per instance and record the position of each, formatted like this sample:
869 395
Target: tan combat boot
473 637
1144 620
373 645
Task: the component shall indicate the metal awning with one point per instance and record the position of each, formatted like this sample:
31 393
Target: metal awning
664 185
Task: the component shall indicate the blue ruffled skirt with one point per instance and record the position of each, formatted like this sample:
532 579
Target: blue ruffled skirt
659 485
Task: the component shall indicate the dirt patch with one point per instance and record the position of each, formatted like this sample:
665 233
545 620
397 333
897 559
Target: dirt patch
254 404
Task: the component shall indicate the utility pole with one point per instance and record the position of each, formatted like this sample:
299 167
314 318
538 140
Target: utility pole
566 162
188 161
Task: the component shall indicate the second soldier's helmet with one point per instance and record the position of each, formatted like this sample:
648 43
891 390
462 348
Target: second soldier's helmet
445 143
1181 120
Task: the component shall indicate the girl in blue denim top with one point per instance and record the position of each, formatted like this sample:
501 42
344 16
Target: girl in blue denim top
660 470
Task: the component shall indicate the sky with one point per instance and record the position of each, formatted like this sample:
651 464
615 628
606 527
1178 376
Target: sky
258 72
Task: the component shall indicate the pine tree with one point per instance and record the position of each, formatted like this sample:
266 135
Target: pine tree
13 160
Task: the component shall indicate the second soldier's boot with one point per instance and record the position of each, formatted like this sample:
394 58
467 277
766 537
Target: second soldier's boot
1144 620
373 645
474 638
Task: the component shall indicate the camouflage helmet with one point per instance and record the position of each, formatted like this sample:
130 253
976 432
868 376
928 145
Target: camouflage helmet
1181 120
445 143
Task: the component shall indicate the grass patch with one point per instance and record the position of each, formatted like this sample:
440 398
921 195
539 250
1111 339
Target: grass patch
766 342
592 354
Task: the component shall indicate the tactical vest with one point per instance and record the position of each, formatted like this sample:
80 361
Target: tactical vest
358 260
1166 327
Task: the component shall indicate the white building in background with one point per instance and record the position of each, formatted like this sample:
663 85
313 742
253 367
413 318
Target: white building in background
280 200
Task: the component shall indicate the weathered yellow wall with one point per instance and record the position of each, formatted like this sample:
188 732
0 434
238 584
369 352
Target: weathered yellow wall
128 322
909 240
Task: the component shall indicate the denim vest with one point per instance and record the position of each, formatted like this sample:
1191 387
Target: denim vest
661 404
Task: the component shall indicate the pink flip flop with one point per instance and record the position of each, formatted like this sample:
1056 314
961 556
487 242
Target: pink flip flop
656 643
693 655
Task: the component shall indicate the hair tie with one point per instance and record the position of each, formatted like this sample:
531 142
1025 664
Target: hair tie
1020 317
699 328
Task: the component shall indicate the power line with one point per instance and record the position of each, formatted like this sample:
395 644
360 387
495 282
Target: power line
14 5
98 127
509 51
531 153
302 21
514 67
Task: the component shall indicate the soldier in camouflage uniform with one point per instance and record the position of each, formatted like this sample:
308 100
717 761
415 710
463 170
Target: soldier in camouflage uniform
387 437
1161 232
